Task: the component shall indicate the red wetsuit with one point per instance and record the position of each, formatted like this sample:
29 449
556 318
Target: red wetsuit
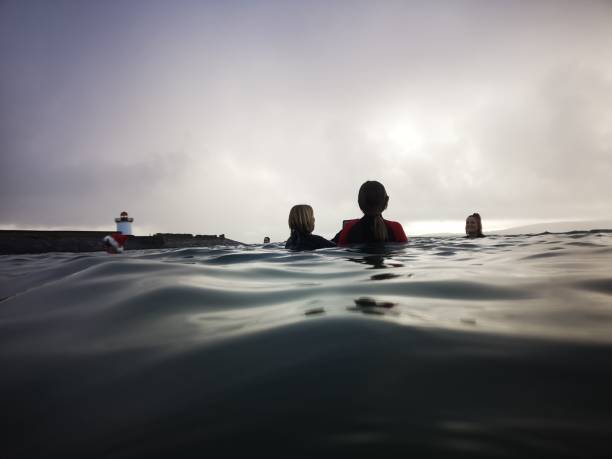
359 231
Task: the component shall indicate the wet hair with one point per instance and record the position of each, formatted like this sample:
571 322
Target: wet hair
476 216
301 218
373 200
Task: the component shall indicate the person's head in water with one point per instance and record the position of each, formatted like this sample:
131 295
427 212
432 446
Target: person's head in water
373 200
266 240
473 225
301 219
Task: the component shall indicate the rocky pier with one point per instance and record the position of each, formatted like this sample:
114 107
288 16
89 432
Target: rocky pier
26 241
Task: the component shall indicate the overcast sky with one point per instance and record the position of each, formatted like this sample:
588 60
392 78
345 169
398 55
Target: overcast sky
217 117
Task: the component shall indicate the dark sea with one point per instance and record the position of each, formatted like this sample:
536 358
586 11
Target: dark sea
442 347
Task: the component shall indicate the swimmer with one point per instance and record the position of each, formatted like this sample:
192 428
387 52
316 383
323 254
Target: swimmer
114 242
473 226
372 227
301 223
266 240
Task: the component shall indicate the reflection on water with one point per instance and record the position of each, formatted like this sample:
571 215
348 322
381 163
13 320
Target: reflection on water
386 276
367 305
376 261
443 346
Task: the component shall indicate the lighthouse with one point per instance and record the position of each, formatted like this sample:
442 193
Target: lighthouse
124 224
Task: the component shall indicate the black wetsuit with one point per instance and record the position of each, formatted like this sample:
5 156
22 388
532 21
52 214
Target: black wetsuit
302 241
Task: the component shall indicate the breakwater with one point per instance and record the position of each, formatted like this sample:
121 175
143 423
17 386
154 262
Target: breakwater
25 241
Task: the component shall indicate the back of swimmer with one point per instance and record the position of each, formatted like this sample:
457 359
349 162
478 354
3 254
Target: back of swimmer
372 227
301 224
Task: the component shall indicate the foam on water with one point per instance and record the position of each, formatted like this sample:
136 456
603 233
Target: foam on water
498 346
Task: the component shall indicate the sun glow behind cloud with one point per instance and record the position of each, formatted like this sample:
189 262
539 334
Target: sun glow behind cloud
410 136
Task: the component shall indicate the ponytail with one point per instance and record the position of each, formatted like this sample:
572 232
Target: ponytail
379 229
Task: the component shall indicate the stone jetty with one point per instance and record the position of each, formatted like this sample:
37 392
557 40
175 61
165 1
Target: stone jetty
25 241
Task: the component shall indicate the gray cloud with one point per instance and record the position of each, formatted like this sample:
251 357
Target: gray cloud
217 118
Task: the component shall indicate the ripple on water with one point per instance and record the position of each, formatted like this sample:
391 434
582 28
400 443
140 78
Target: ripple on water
542 255
597 285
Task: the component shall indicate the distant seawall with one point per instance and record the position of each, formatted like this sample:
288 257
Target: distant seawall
24 241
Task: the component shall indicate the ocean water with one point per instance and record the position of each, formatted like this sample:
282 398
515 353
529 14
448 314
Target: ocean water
496 347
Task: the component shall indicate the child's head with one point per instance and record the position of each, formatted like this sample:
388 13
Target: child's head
301 218
372 198
473 225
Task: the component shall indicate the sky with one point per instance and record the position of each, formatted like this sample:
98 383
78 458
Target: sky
217 117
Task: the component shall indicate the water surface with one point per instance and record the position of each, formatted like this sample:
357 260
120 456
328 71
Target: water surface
496 347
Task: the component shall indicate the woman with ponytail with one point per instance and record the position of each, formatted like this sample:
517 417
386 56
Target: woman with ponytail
372 227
